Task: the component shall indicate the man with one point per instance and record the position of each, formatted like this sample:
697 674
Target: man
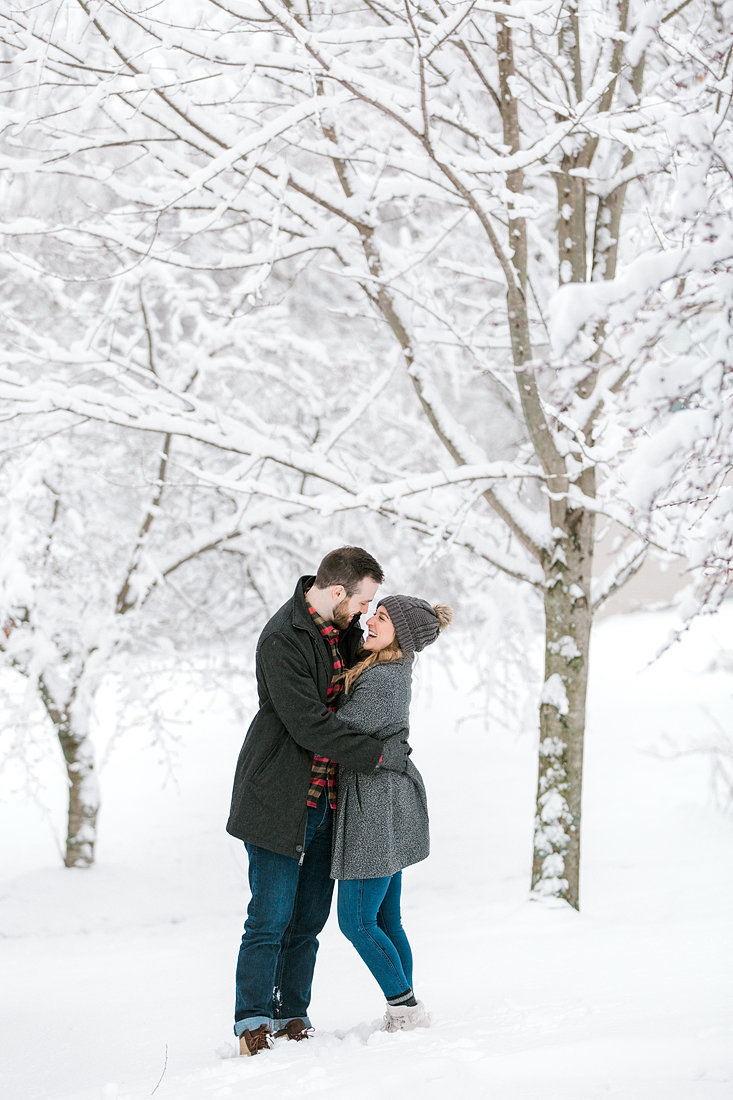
284 790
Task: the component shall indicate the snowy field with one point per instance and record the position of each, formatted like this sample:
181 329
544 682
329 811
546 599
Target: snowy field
117 982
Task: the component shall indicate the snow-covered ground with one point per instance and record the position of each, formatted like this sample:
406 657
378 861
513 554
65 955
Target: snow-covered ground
117 982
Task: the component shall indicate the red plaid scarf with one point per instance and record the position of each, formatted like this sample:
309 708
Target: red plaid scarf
323 771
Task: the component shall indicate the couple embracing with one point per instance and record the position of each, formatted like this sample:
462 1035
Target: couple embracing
325 790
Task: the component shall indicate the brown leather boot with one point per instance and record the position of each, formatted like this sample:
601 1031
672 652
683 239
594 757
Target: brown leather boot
294 1029
252 1042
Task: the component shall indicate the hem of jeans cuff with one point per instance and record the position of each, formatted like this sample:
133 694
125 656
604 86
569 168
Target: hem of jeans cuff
251 1023
288 1019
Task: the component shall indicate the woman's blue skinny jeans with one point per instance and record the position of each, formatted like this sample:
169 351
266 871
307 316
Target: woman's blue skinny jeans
369 916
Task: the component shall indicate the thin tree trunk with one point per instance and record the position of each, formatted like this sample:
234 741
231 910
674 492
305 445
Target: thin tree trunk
568 620
81 832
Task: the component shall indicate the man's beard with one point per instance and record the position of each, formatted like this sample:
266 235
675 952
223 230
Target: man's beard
341 616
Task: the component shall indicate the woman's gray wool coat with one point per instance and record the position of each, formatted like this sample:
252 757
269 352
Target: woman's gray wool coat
381 821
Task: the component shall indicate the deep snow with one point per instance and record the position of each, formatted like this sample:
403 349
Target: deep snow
117 982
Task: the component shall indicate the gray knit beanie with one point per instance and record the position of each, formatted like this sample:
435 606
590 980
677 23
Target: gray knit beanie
416 624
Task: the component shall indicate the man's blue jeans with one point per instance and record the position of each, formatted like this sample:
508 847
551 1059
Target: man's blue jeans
369 916
289 906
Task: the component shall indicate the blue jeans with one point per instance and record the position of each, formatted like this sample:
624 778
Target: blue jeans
369 916
289 906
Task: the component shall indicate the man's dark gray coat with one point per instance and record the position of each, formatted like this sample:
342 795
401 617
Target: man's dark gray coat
294 669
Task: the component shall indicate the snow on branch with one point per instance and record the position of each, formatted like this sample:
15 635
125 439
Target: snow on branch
618 300
263 135
202 423
395 500
153 410
447 27
621 569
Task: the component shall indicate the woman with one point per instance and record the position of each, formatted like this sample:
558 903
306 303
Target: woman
381 823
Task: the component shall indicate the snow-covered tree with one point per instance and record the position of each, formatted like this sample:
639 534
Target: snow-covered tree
104 553
523 209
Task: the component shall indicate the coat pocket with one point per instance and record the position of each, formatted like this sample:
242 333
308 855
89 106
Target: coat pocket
264 763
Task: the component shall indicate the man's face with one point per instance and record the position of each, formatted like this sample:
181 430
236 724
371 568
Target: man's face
345 607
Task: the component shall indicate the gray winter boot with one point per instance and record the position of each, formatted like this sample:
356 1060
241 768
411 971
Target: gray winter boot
405 1017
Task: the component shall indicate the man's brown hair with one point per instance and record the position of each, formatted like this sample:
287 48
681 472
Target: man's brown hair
348 565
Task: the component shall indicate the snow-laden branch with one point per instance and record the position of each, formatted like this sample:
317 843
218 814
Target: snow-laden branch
157 411
263 135
446 28
616 301
393 500
376 495
616 575
358 410
162 414
148 245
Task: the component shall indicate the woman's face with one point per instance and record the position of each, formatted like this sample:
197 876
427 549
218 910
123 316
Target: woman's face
381 631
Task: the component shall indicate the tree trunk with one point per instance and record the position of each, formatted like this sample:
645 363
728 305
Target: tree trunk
568 617
81 832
